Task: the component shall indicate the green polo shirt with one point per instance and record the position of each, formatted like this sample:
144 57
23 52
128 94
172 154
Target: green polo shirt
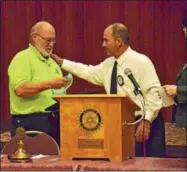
30 66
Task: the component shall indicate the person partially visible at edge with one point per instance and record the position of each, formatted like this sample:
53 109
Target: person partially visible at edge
150 131
179 92
32 74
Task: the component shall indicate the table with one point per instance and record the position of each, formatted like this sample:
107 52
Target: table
53 163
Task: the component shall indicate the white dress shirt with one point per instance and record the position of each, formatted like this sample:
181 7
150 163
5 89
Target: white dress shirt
142 69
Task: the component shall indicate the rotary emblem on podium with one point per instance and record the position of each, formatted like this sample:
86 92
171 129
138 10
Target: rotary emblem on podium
90 120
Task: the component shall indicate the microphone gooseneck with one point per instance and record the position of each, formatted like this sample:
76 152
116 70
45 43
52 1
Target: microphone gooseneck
138 93
137 89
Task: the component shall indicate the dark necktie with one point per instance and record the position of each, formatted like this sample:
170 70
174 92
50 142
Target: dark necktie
113 86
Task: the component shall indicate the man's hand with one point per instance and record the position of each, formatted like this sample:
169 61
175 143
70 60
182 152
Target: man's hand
32 89
171 90
57 59
57 82
143 131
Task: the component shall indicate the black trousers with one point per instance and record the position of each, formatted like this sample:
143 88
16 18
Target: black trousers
155 145
44 122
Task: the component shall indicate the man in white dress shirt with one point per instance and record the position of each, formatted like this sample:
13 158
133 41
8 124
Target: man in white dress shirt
150 131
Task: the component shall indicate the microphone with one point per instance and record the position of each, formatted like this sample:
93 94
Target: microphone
137 89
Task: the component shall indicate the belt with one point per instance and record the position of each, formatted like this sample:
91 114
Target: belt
31 114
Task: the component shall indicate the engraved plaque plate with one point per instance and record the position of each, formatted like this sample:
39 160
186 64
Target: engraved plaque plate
90 143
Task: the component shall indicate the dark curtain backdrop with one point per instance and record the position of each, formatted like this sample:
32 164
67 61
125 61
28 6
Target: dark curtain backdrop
155 29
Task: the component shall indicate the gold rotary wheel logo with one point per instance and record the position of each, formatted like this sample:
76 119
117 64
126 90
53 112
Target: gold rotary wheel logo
90 120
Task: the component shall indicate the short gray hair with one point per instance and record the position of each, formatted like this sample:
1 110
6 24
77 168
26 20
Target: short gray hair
119 30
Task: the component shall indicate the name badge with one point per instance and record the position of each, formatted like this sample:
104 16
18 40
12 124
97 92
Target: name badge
120 80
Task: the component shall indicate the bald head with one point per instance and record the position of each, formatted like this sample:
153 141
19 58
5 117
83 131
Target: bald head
119 30
42 37
41 27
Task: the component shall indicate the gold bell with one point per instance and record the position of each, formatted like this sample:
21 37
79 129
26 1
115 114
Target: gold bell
21 154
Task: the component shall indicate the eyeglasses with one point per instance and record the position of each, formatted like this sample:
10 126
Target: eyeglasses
48 40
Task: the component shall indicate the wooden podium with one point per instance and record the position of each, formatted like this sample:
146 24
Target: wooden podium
91 127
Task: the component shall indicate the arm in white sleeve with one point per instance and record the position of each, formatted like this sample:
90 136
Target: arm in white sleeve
92 74
150 84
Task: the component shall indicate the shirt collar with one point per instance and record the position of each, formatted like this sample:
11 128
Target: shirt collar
39 55
122 58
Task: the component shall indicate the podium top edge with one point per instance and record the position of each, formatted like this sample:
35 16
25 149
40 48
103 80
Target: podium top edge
89 96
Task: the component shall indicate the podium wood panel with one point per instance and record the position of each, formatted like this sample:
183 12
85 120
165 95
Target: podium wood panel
111 140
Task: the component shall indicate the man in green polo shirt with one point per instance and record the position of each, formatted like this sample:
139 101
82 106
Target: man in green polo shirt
32 75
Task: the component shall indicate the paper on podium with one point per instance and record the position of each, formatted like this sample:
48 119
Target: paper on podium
38 156
167 100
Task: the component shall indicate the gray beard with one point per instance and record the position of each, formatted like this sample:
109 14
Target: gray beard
42 51
46 55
